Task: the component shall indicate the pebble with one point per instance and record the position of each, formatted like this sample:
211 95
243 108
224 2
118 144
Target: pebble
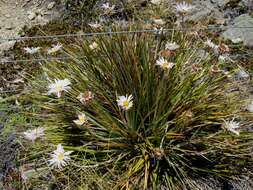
9 26
7 15
51 5
31 15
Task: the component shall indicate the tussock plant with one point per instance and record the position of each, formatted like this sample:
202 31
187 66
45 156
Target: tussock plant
146 111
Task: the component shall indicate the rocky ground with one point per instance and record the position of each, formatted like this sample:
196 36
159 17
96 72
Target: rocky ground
234 14
16 14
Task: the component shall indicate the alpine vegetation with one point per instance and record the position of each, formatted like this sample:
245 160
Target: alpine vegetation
144 112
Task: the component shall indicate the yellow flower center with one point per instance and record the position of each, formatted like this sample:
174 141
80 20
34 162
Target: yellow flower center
53 50
60 156
59 88
82 120
165 65
125 103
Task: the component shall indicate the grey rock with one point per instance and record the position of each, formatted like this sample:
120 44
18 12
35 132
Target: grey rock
241 74
9 26
31 15
204 9
247 3
7 16
241 29
51 5
200 15
6 46
221 3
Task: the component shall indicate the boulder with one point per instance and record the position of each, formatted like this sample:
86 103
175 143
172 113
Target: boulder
241 29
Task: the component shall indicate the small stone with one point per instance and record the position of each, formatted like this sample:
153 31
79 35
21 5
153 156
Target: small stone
7 45
7 15
220 21
221 3
31 15
51 5
241 74
236 40
9 26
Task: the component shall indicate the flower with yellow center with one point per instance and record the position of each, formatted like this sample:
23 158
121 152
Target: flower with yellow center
184 8
108 8
159 21
156 2
95 25
171 46
59 86
125 102
164 64
34 134
85 97
232 126
32 50
55 48
82 119
60 157
93 46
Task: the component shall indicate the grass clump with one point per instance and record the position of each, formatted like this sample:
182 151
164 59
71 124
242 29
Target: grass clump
180 120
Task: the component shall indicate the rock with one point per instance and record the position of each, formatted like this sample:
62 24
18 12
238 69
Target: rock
241 29
247 3
9 26
204 9
51 5
41 19
31 15
241 74
6 46
220 3
7 16
224 3
200 15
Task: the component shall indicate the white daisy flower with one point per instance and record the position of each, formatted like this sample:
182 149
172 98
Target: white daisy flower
34 134
184 7
93 46
85 97
164 64
210 44
223 58
171 46
108 7
82 119
159 21
232 126
156 2
55 48
158 30
32 50
59 86
250 107
59 157
95 25
125 102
